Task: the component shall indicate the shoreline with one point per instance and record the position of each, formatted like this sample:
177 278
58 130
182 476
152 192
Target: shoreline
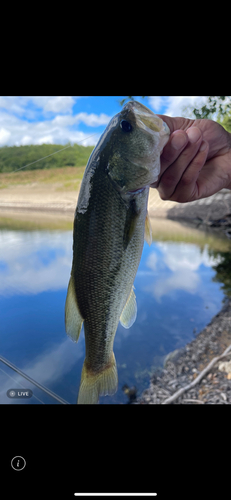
54 198
182 366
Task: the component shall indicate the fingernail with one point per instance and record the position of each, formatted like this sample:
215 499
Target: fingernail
203 146
178 141
193 134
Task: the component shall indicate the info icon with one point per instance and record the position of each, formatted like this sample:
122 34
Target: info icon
18 463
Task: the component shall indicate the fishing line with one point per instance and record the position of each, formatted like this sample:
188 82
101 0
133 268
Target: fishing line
23 386
40 386
50 155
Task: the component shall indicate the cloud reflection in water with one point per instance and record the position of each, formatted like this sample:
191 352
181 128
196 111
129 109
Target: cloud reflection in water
34 261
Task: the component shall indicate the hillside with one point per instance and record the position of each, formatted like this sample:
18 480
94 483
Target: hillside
16 157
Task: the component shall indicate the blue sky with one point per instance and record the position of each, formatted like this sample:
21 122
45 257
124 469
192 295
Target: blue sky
62 119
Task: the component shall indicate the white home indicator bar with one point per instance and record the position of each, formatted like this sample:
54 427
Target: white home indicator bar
115 494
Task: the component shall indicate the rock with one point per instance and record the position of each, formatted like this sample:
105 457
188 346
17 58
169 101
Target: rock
225 366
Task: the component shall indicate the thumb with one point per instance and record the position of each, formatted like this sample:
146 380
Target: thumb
177 123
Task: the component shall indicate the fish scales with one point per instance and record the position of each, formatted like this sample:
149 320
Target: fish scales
104 276
109 227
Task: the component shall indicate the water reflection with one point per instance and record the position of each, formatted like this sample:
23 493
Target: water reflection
177 266
223 270
178 290
34 261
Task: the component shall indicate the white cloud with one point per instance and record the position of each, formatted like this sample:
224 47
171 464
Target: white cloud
156 102
4 135
26 139
50 119
176 105
63 121
84 139
93 120
60 129
57 131
47 139
14 104
59 104
54 104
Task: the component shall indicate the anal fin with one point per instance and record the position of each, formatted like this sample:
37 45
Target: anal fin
73 318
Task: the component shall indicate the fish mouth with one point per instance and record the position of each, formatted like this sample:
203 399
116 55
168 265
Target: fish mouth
145 118
136 191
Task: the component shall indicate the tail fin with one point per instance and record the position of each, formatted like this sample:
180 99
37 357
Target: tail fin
93 385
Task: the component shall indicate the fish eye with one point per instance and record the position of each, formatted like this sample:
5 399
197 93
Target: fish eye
126 126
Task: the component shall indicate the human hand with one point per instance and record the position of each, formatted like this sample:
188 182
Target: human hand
196 161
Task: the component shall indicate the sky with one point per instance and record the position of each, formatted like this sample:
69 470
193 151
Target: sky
63 119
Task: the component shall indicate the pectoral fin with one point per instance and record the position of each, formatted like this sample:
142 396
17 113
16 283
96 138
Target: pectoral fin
73 318
148 230
129 313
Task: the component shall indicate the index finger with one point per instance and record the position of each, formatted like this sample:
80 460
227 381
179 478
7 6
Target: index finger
176 122
175 145
177 142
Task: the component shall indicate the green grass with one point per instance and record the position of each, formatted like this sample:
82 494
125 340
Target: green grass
26 224
67 178
15 157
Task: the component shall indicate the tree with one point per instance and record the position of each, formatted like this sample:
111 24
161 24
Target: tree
226 122
221 105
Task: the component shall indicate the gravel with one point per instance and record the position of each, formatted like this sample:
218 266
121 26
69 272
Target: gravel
182 366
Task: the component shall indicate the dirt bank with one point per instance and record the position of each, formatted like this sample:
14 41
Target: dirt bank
40 198
54 197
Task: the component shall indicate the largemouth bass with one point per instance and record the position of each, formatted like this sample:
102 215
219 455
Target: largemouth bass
109 227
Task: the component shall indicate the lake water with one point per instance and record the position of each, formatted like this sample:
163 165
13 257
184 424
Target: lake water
176 297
